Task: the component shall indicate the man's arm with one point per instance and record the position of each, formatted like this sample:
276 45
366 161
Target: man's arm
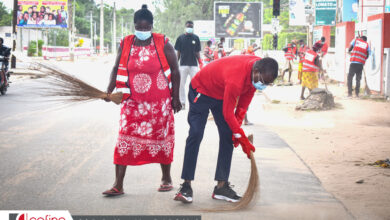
206 53
351 46
178 55
178 47
231 95
243 104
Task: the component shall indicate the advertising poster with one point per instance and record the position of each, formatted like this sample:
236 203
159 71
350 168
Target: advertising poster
325 12
350 10
238 20
297 13
317 34
204 29
43 13
373 63
340 63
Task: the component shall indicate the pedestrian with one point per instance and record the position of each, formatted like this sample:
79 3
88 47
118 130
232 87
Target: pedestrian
310 68
217 87
187 46
360 51
322 53
289 56
251 49
219 52
207 53
146 133
301 53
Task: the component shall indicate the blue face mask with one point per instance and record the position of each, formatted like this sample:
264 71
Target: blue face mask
259 85
143 35
189 30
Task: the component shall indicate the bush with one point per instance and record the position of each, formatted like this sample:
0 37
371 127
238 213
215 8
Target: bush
32 49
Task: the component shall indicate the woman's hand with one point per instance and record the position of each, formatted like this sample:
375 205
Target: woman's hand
107 98
176 105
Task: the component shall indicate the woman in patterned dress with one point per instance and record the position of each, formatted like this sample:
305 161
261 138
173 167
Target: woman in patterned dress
146 133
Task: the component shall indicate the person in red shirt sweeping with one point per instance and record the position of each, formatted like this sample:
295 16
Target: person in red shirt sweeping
217 87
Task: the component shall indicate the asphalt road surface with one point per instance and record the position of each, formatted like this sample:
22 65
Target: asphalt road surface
60 157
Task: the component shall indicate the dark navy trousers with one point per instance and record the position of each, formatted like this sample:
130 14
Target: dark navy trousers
197 119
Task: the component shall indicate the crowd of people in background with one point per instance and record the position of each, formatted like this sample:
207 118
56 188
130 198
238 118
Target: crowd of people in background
45 16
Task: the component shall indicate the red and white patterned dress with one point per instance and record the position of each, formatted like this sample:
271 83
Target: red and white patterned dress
146 133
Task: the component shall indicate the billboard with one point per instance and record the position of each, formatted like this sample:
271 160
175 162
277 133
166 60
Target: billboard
325 12
238 19
350 10
43 13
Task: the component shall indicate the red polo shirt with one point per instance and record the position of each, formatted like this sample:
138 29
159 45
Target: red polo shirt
228 79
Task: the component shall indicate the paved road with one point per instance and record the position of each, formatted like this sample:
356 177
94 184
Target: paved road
56 157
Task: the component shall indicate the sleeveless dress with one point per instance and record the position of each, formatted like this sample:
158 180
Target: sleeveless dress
146 133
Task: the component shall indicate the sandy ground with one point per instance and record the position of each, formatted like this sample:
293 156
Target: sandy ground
338 145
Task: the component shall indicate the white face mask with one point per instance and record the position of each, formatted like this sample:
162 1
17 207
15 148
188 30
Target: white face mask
189 30
143 35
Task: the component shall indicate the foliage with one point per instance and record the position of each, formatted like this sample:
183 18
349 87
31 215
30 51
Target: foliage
58 37
5 16
32 48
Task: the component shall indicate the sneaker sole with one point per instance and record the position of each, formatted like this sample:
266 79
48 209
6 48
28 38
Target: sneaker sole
219 197
181 198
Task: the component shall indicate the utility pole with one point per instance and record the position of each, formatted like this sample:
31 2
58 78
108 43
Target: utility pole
114 31
71 9
101 27
122 28
14 23
91 29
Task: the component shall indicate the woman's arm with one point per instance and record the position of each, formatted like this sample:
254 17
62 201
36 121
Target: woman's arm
112 83
175 75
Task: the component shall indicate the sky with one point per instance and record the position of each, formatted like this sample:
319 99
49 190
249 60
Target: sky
119 3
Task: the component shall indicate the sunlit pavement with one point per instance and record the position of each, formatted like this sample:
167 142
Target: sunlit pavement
60 157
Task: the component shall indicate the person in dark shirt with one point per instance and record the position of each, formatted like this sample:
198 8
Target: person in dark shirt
187 47
4 57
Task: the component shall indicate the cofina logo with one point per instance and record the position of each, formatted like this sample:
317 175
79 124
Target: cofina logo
29 216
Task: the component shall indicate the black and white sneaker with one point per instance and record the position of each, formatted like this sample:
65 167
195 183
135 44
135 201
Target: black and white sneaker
185 193
226 193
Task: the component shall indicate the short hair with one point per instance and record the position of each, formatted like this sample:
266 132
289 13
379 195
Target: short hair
301 41
317 46
189 22
267 65
364 38
143 14
222 39
209 42
2 40
323 39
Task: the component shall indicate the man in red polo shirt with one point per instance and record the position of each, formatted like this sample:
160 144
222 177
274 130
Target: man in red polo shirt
218 87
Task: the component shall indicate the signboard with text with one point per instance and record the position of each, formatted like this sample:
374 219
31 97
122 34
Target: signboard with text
325 12
43 13
238 19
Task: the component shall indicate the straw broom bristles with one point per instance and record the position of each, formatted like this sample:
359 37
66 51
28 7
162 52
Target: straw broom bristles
251 190
71 88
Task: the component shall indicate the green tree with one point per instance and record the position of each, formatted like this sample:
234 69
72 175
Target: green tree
5 16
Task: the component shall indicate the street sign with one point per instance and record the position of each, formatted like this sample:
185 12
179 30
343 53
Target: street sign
325 12
238 19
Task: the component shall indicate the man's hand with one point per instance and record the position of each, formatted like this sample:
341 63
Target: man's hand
176 105
246 145
200 63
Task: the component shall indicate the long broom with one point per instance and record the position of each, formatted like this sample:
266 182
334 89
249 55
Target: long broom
70 88
251 191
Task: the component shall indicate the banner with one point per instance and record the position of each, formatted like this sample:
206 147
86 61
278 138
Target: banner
340 61
238 19
350 10
325 12
297 13
43 13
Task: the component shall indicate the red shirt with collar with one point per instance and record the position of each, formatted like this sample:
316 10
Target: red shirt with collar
228 79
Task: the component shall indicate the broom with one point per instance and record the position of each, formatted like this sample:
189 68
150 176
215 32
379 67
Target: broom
69 87
251 190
